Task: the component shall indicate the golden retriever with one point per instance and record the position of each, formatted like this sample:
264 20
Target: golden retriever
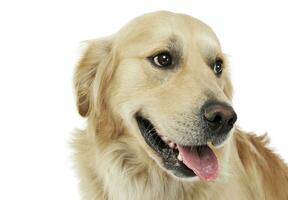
160 123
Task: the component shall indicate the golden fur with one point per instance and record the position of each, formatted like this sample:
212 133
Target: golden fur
114 80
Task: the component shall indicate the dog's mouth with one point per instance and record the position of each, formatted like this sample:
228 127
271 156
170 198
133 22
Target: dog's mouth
183 161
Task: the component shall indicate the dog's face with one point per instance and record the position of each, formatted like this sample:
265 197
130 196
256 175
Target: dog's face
165 77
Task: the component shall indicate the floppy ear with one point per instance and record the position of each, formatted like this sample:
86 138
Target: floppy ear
96 52
228 88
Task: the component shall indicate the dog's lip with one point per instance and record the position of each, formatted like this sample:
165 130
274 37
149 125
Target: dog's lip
145 123
170 156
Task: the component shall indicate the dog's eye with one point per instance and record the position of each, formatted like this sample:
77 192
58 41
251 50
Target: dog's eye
163 59
218 66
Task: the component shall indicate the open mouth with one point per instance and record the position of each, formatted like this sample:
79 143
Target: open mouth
183 161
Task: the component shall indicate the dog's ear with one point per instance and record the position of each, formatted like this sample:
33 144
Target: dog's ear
228 89
97 52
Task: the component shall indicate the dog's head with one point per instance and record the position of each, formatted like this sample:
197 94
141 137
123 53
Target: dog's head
165 79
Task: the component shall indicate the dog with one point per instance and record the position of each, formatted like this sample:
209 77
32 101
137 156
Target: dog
160 123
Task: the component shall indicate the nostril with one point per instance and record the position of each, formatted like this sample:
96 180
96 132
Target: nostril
216 118
232 120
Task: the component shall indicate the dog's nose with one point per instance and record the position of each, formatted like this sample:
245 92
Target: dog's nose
219 117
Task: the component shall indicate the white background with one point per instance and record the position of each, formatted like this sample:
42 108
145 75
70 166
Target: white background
39 45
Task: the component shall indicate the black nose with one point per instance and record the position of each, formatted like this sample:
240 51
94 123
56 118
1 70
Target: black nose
219 117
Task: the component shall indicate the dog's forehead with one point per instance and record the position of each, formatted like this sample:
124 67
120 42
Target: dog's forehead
159 28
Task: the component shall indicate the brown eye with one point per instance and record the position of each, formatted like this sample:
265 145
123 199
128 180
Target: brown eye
162 60
218 66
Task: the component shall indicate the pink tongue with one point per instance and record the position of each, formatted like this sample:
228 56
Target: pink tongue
203 162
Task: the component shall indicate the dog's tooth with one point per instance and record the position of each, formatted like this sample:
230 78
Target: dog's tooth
171 145
157 130
165 139
179 157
